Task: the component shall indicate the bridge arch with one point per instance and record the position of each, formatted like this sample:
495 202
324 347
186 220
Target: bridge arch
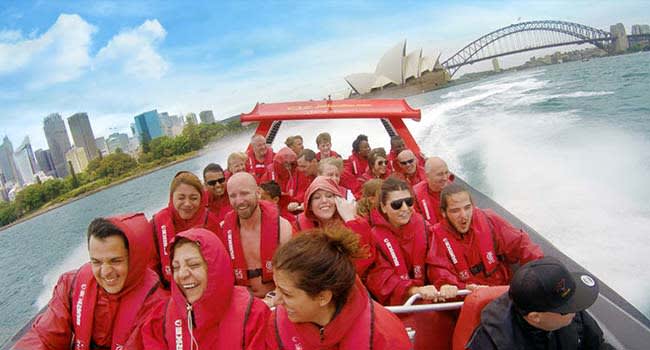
579 34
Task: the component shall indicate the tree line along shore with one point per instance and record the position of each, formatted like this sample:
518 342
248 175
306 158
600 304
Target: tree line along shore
113 169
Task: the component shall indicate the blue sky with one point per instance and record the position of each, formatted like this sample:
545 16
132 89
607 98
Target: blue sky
116 59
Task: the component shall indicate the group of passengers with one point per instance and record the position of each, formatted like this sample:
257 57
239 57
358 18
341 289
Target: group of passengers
302 250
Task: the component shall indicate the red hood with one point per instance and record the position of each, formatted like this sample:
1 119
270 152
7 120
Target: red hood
214 302
284 155
181 224
319 183
402 232
139 232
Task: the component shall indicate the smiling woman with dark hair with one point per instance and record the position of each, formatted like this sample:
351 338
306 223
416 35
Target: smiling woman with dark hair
401 237
321 304
206 310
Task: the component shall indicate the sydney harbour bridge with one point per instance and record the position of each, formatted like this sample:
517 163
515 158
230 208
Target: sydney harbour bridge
534 35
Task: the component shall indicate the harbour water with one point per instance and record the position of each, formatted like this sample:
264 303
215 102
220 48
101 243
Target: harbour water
563 147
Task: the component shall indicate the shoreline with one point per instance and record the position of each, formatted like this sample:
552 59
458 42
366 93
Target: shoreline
48 208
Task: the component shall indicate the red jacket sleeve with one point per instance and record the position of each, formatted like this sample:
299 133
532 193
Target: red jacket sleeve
385 284
389 331
152 307
52 329
439 269
256 326
512 243
152 334
363 230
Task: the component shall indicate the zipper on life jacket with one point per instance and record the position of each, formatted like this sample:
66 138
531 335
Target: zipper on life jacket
321 331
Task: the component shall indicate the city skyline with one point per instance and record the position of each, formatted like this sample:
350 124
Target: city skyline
125 58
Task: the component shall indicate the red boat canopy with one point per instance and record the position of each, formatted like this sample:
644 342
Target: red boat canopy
389 111
328 109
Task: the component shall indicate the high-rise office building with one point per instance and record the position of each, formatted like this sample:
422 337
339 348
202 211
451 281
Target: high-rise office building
82 134
118 140
102 146
638 29
206 117
57 140
77 157
147 126
44 161
191 118
25 162
7 163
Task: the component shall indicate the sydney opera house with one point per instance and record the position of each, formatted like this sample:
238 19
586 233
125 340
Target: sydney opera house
398 74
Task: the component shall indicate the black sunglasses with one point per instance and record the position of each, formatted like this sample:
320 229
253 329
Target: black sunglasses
381 162
214 182
397 204
407 161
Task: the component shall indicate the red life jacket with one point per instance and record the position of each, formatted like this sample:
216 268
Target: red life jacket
82 303
218 206
177 331
483 231
428 203
270 236
332 155
388 242
164 231
352 328
255 167
356 165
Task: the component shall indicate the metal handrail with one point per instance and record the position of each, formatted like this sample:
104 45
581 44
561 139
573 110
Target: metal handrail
408 306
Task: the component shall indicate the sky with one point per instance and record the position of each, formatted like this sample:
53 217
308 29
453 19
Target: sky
116 59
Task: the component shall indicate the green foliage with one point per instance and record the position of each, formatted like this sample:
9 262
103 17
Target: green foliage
8 213
112 166
30 198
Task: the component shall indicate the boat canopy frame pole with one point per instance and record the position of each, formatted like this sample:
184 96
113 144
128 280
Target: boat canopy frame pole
408 306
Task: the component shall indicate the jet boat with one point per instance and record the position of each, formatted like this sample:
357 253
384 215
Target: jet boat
445 325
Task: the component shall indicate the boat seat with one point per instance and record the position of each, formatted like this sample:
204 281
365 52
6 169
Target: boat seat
470 314
433 330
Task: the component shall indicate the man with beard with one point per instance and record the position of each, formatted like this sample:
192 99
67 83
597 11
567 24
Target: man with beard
214 181
474 247
251 233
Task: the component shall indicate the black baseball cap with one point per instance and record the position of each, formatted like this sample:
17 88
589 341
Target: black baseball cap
545 285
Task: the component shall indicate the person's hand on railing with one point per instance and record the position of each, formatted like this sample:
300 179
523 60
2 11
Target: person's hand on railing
472 287
447 291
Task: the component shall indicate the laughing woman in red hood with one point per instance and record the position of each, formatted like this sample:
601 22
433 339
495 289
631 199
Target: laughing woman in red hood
320 302
401 239
325 207
186 209
206 310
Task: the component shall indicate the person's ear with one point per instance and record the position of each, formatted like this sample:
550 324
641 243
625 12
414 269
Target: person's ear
533 318
324 297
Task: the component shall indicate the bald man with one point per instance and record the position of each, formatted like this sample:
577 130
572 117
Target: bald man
260 155
427 192
251 233
409 168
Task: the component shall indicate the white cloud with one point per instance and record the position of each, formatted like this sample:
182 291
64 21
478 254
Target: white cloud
134 52
10 36
58 55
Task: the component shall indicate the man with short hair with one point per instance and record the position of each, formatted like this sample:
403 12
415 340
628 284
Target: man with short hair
324 144
270 191
410 169
104 303
260 156
251 233
474 247
214 182
396 146
544 309
427 193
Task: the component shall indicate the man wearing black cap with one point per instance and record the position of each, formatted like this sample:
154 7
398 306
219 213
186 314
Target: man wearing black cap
544 309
